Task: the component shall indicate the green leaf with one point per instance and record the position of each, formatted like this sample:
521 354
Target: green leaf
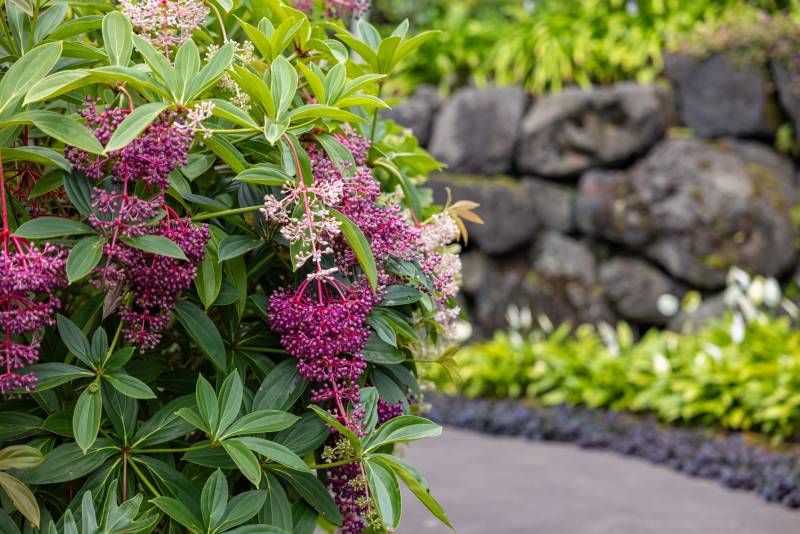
47 184
130 386
244 459
67 462
277 510
338 154
84 257
417 486
280 388
187 66
214 499
26 71
57 84
401 295
263 175
292 151
133 125
211 72
209 278
117 38
321 111
202 331
47 227
383 330
86 419
156 244
243 507
53 374
157 62
75 341
358 242
354 440
22 497
261 421
119 358
19 457
313 491
36 154
385 491
207 403
402 429
179 512
234 246
304 436
60 127
275 452
14 425
226 152
283 84
369 401
230 402
79 190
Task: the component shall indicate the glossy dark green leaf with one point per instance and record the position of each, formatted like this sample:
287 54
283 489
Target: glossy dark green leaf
53 374
261 421
47 227
202 331
84 257
68 462
75 341
402 429
361 248
13 424
378 351
275 452
86 419
234 246
281 388
384 490
313 491
400 295
156 244
130 386
244 459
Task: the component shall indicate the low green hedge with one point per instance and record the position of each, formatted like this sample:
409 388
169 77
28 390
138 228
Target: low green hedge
706 377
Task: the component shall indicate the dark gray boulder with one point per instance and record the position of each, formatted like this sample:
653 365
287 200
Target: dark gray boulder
418 112
508 211
568 132
476 130
557 278
717 97
554 204
785 72
698 208
633 287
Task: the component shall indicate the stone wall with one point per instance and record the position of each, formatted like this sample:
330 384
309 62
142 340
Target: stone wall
598 201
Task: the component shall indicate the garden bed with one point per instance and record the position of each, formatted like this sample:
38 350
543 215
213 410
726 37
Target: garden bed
736 460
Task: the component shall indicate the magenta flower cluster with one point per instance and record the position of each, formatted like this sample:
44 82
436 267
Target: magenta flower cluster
30 275
153 281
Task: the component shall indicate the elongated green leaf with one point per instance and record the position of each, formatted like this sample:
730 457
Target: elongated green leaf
261 421
209 278
275 452
339 155
234 246
187 66
244 459
202 331
214 499
61 127
36 154
211 72
400 295
243 507
22 497
156 244
179 512
57 84
402 429
13 425
26 71
53 374
117 38
130 386
417 486
47 227
354 440
86 419
228 153
133 125
280 388
358 242
75 341
384 490
67 462
263 175
19 457
313 491
277 510
84 257
230 402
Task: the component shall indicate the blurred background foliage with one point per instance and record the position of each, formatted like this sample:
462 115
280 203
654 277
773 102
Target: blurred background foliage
544 45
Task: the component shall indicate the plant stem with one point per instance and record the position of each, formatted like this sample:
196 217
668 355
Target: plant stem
225 213
113 342
334 464
185 449
144 479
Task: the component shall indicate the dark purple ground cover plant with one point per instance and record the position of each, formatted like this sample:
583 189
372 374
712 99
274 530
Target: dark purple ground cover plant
220 270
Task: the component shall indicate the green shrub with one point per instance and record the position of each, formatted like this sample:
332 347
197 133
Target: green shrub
703 378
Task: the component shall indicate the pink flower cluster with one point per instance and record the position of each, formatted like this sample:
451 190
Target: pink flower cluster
28 278
166 23
154 281
335 9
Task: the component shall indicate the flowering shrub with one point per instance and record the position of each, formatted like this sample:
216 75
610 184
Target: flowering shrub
219 274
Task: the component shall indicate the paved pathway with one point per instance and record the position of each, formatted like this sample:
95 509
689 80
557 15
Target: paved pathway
498 485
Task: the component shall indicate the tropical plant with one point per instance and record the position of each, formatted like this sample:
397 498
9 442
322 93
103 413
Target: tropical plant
218 270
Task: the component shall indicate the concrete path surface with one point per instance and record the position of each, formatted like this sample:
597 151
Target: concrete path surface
499 485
